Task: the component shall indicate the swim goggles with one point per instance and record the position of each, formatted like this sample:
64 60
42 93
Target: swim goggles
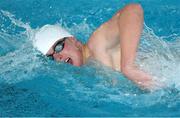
58 47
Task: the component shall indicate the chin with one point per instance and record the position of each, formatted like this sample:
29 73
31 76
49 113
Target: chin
76 62
78 65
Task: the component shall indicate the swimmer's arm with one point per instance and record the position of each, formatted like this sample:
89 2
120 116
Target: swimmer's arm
130 23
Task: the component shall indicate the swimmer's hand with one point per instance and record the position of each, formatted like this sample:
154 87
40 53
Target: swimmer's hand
142 79
151 85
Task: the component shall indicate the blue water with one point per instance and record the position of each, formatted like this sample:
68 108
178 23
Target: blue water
32 85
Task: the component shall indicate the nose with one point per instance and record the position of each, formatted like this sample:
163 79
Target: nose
57 57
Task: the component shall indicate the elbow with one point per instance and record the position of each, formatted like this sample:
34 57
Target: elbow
137 8
134 6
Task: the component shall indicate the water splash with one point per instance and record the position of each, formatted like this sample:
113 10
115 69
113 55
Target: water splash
93 83
18 23
19 58
159 57
154 53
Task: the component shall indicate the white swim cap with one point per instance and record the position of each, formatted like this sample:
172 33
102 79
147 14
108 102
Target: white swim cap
47 36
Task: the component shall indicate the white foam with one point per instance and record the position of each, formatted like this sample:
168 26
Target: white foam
155 56
159 57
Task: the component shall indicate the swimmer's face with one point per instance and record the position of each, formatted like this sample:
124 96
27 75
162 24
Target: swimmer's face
67 50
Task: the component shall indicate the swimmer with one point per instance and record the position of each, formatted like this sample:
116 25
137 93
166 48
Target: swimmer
113 44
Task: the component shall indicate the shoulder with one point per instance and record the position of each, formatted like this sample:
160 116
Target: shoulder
105 35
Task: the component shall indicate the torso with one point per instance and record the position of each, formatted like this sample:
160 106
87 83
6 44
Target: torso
104 45
109 57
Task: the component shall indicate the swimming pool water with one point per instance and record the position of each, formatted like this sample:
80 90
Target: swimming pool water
33 85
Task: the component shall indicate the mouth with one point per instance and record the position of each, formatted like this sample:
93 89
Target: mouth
69 60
